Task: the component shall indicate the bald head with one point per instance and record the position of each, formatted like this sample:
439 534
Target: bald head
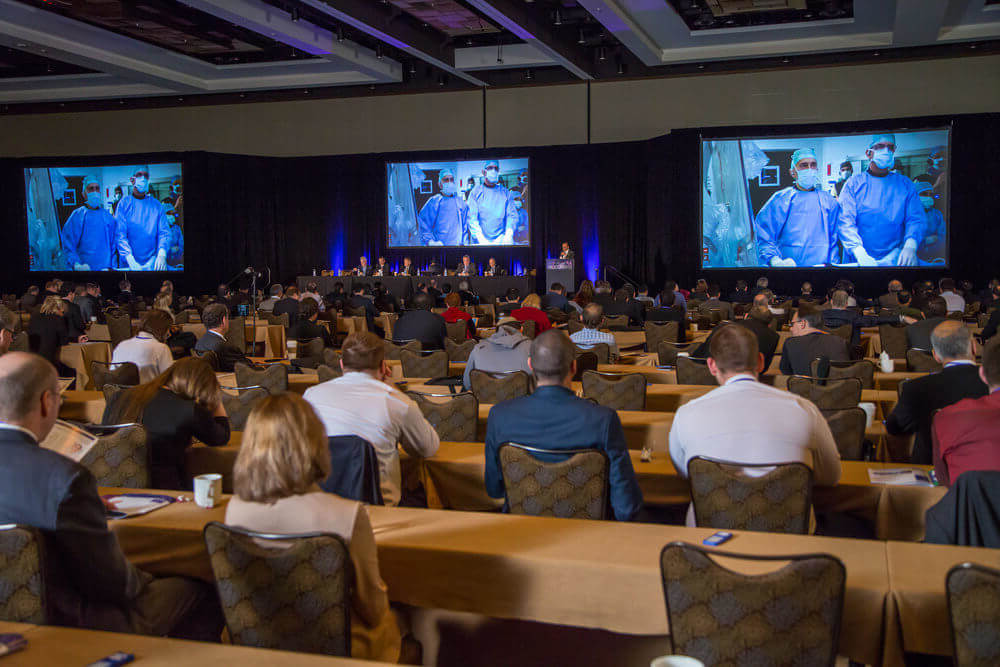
593 315
552 357
952 340
26 381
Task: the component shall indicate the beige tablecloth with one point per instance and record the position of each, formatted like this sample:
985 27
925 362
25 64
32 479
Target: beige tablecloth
78 357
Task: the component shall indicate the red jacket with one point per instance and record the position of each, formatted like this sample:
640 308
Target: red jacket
967 437
454 314
536 315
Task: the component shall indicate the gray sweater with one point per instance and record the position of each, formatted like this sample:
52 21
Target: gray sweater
506 350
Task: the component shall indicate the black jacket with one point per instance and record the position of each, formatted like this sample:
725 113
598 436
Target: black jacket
46 334
358 301
990 329
967 515
838 317
410 270
290 306
307 329
635 310
74 320
798 353
227 353
767 340
423 325
672 314
918 334
921 397
555 300
495 271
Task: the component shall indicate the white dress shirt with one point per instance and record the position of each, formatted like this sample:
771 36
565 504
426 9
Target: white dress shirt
746 421
956 304
358 404
150 355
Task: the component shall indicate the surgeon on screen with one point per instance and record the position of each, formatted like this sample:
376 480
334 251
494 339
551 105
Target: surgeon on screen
881 219
443 220
492 214
143 232
798 225
88 237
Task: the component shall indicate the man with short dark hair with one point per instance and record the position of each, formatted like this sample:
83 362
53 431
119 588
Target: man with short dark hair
955 302
276 293
556 298
306 327
215 317
382 268
467 268
967 434
921 397
419 323
554 418
363 403
713 303
88 581
918 335
359 302
289 305
741 294
746 421
809 341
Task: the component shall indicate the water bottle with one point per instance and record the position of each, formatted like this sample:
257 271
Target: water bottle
887 364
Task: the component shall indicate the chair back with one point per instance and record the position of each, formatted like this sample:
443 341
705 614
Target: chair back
457 330
120 457
455 417
726 497
585 361
182 317
310 348
921 361
691 370
893 340
237 334
208 356
528 328
846 331
839 394
332 357
573 326
667 351
393 349
327 373
600 350
787 617
974 611
278 319
848 428
119 326
556 316
491 388
273 378
284 592
20 342
863 369
573 485
424 365
123 373
354 470
616 322
458 352
655 333
239 404
485 321
22 576
618 391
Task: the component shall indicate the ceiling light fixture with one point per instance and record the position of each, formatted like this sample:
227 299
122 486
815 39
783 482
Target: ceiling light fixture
529 75
602 54
378 52
295 13
499 54
558 20
581 39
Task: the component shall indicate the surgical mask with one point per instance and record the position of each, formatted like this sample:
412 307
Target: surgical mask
807 179
492 175
448 188
518 203
171 219
937 162
118 196
844 175
928 202
141 185
94 199
883 158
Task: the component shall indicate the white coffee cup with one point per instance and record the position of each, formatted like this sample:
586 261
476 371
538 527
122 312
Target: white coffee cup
293 347
207 489
676 661
887 364
869 409
683 354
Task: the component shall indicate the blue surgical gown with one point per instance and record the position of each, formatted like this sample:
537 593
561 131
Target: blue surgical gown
799 225
492 214
521 235
879 213
141 228
175 255
934 223
444 219
88 237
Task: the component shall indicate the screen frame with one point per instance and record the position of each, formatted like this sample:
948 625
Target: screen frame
732 134
451 158
91 162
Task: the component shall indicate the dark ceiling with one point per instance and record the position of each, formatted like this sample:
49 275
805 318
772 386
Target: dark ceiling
715 14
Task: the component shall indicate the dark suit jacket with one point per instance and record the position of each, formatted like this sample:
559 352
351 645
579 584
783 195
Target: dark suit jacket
798 352
410 270
767 340
434 269
554 418
305 329
363 271
918 334
473 269
967 515
838 317
88 307
227 353
423 325
740 297
921 397
569 255
358 301
634 309
74 320
888 301
990 329
724 307
90 583
386 270
496 271
290 306
46 334
553 300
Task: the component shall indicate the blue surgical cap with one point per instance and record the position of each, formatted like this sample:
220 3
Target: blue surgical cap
141 167
803 153
445 172
878 138
88 180
492 163
922 186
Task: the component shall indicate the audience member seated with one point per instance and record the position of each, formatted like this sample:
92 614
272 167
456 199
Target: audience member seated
954 301
921 397
307 328
669 311
289 305
30 298
8 325
363 403
282 460
918 335
583 296
757 321
74 316
456 313
890 300
147 349
713 303
506 350
905 306
590 334
215 317
48 331
741 294
806 295
625 304
531 309
88 581
556 298
510 302
967 434
312 292
419 323
990 330
603 293
839 315
761 424
808 341
553 417
337 297
176 407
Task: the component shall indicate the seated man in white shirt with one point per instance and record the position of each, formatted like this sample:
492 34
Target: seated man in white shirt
745 421
955 301
147 349
590 335
363 403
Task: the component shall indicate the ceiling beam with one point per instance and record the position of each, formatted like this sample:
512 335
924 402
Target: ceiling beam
72 87
918 22
513 15
623 27
515 56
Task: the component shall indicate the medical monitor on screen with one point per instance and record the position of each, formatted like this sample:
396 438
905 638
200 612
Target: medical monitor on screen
859 200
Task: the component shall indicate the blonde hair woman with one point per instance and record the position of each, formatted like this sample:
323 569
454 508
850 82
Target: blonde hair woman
282 459
49 330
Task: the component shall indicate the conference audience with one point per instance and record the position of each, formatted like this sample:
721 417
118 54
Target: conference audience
839 314
918 334
809 341
967 434
88 581
531 309
363 403
48 330
625 304
761 424
506 350
757 321
307 327
282 459
215 317
419 323
921 397
455 313
288 305
669 311
713 303
312 292
556 298
590 335
584 295
277 293
554 418
146 349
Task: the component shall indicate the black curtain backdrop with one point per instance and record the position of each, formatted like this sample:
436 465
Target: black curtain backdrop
634 206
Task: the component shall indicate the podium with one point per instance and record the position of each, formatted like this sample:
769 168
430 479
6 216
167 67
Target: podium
559 271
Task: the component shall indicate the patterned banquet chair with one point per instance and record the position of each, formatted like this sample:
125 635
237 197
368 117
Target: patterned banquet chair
974 612
274 378
575 487
120 457
492 388
22 579
424 364
454 416
618 391
124 373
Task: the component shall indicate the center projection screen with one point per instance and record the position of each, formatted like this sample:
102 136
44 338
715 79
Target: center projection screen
453 203
857 200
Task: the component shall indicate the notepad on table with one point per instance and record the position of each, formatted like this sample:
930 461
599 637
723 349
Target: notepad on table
899 477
